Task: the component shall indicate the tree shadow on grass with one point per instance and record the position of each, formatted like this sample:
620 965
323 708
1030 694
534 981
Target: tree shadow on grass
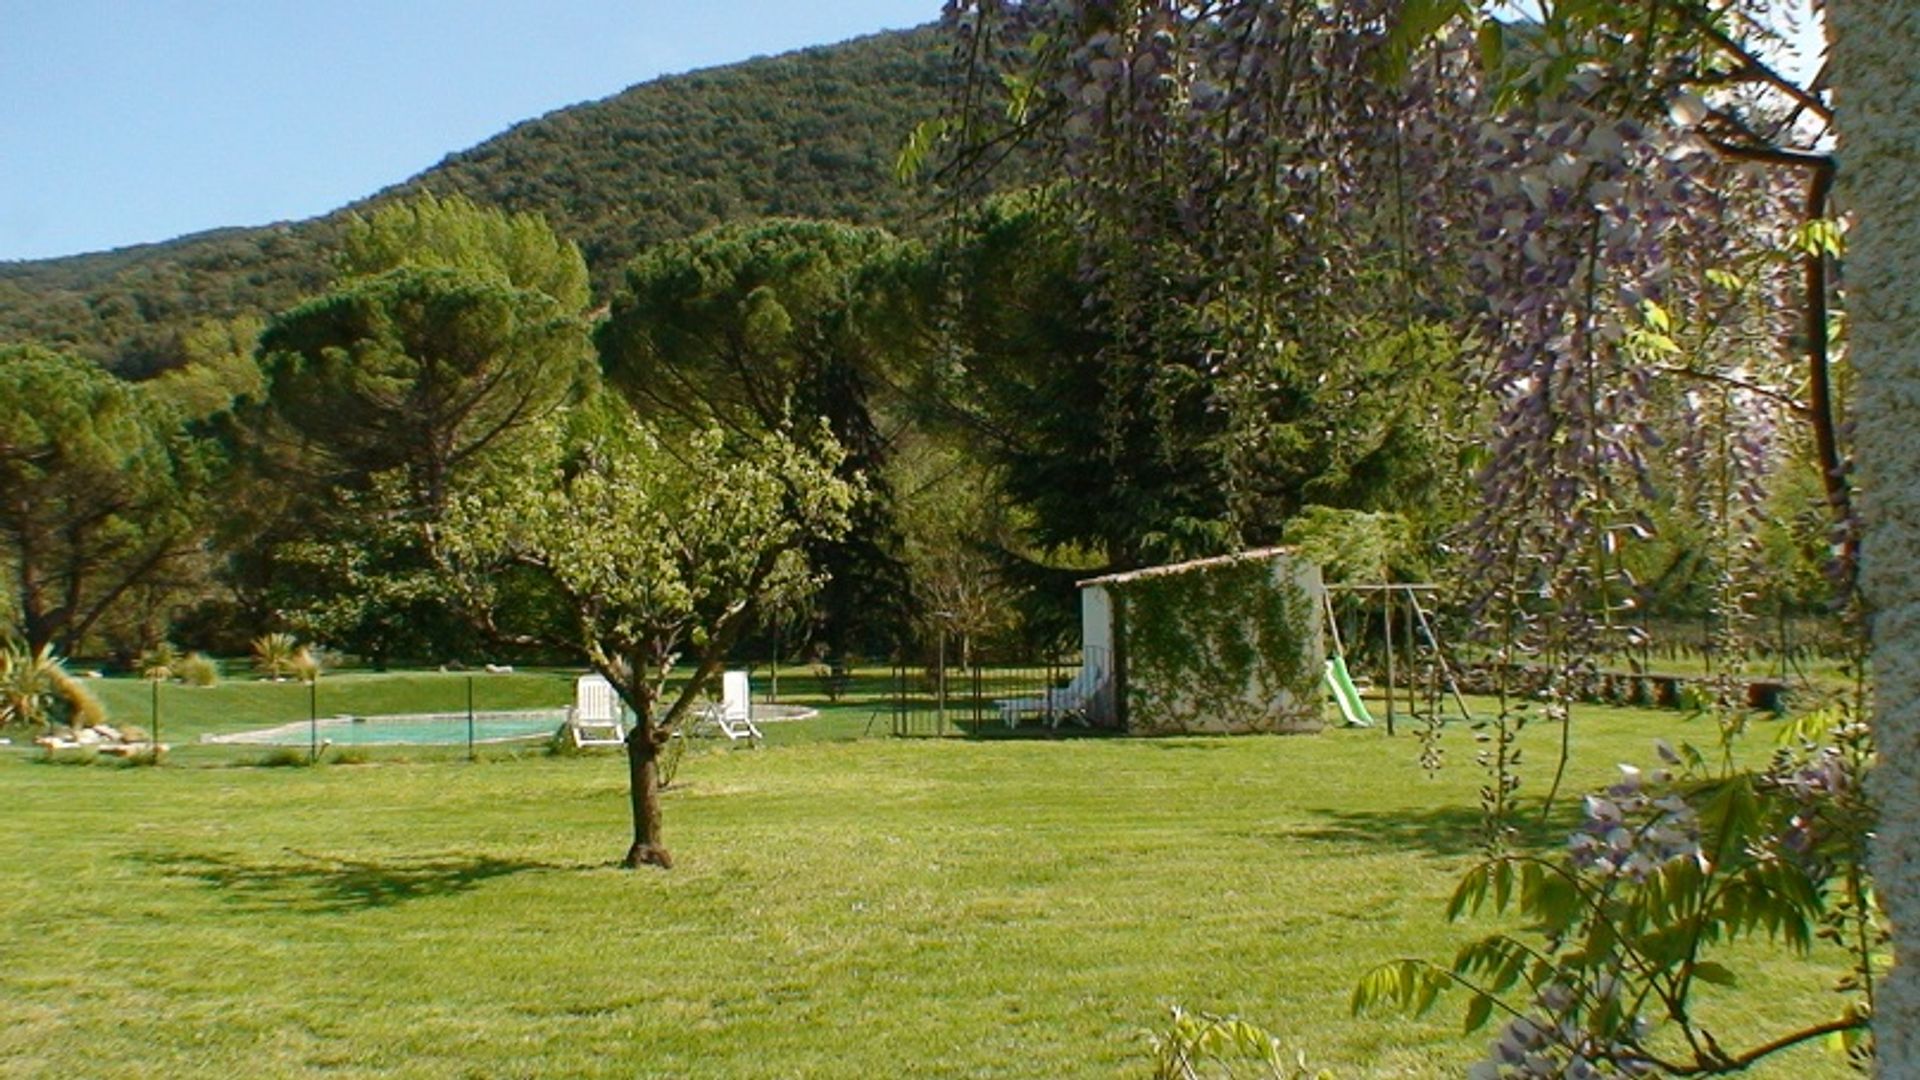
330 884
1445 831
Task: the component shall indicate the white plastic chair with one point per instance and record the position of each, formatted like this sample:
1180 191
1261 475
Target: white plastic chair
733 713
595 719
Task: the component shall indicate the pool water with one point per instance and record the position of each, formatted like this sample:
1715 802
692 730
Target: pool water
433 729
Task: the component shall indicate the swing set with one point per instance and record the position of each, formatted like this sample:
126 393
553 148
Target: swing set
1420 647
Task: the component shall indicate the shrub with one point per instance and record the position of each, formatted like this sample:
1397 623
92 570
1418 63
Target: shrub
26 686
273 655
1199 1046
80 708
197 669
1635 913
306 663
36 691
285 757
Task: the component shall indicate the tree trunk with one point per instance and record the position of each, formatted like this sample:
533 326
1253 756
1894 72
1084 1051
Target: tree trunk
1878 100
643 779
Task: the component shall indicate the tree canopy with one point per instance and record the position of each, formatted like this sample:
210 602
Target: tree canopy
769 327
663 547
389 393
100 493
421 370
1144 436
517 250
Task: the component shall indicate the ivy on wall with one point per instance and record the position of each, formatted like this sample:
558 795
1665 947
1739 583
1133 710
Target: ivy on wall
1231 645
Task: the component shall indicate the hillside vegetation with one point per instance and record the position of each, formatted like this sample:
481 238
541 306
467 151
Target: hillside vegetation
808 134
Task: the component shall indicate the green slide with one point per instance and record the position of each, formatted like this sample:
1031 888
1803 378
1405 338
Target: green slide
1352 709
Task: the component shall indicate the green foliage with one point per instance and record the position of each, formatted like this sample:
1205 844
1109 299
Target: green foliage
655 549
1122 429
36 691
1637 917
399 388
1233 644
100 494
366 578
1350 545
516 250
953 520
273 655
211 369
755 325
26 685
1099 447
420 369
1197 1046
197 669
772 326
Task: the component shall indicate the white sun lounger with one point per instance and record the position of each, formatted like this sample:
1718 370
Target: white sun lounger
1059 703
595 719
733 713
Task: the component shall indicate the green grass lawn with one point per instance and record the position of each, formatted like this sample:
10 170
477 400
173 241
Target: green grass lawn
841 907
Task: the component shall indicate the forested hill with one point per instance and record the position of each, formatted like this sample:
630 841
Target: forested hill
812 133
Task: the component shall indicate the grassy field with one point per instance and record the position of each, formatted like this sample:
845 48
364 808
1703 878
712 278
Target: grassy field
841 908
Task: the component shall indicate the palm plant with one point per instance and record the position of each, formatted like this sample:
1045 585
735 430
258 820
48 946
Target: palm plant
27 685
273 655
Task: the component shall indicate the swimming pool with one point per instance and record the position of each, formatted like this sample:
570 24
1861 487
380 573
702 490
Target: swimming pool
419 729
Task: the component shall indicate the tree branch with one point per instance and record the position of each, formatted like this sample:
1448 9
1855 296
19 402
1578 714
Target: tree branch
1785 401
1755 67
1722 1064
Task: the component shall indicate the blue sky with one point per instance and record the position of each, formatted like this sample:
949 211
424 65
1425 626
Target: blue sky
131 121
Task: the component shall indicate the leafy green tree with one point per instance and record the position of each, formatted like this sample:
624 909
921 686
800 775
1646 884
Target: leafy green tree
768 327
954 523
420 370
1123 431
658 547
208 378
100 494
386 395
519 250
211 369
